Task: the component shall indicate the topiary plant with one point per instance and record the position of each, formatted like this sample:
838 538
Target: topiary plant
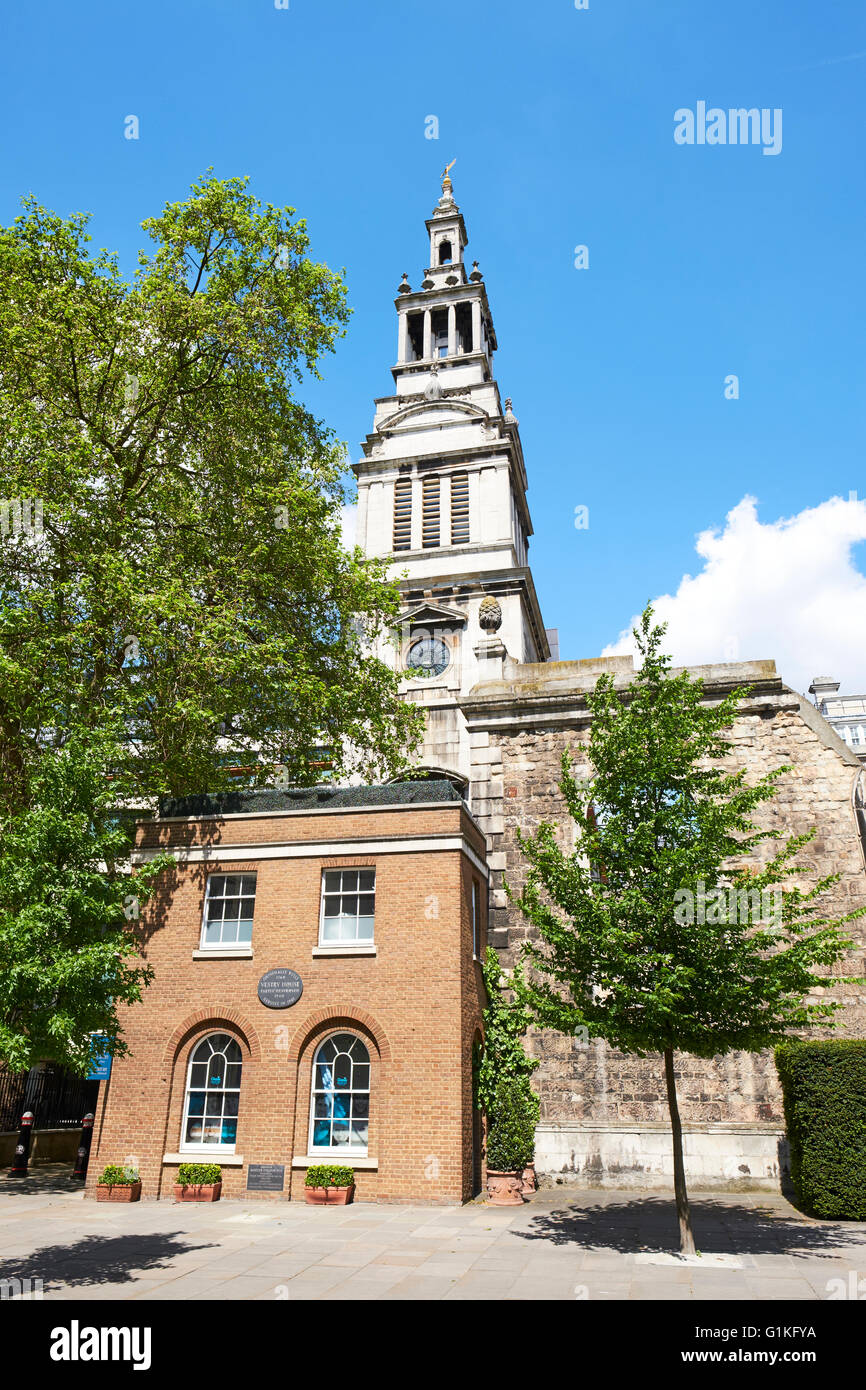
510 1139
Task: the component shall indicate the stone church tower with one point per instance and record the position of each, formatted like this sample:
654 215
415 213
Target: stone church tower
442 491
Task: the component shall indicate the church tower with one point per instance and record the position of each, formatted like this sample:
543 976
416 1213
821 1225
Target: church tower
442 493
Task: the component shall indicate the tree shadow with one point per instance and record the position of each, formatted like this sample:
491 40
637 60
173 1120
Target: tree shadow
98 1259
650 1224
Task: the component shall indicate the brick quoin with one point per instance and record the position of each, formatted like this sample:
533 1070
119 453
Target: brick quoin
416 1005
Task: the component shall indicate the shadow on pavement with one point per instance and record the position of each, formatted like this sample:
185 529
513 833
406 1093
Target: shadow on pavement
98 1259
650 1223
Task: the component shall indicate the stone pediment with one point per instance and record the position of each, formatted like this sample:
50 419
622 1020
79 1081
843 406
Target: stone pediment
431 615
443 408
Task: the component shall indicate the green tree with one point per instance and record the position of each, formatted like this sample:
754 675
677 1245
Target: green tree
626 947
68 910
183 566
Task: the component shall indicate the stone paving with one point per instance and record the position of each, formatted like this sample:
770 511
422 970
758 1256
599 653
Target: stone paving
562 1244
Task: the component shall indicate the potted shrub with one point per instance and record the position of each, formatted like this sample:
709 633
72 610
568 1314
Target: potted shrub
326 1184
507 1149
118 1184
198 1182
531 1110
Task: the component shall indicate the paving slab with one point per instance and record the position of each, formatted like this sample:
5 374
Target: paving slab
563 1245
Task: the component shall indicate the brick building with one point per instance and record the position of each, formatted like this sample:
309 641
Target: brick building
317 994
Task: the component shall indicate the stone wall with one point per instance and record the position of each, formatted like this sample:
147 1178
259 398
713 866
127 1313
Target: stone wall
518 731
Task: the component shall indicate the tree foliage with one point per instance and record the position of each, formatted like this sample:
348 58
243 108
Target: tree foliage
189 573
658 820
68 911
661 819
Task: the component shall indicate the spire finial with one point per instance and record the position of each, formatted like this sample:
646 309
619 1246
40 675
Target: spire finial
446 181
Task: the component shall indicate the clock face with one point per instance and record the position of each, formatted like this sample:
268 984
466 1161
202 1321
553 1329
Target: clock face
428 657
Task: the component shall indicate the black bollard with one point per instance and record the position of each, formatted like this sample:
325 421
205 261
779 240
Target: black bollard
81 1162
22 1148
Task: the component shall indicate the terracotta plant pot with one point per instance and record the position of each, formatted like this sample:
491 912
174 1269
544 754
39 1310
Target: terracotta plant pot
198 1191
530 1181
119 1192
329 1196
504 1189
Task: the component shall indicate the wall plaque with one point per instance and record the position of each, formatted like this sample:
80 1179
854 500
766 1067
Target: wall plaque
266 1177
280 989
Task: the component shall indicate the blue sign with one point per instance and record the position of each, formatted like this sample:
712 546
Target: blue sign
100 1062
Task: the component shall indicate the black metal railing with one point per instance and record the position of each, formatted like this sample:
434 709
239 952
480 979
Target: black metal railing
57 1098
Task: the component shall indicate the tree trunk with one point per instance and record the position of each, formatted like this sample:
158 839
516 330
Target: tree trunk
687 1240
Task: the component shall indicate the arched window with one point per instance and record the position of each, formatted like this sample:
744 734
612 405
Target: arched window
210 1114
445 253
340 1097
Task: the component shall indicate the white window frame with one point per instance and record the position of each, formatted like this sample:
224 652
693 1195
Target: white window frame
204 944
349 1151
355 942
201 1149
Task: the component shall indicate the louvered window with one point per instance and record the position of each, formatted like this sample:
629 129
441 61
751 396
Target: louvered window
430 513
460 509
403 514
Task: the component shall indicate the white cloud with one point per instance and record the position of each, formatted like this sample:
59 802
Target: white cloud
787 590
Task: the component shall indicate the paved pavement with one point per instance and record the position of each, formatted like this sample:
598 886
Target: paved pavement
562 1244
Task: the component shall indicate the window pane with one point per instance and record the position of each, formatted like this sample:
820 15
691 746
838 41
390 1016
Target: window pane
342 1070
365 904
332 882
367 879
332 907
359 1132
245 932
229 1131
231 1103
212 933
360 1107
331 929
361 1077
233 1075
365 928
196 1102
324 1107
322 1133
193 1131
340 1132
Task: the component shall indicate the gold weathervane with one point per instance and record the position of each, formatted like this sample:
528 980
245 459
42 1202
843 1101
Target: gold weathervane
445 178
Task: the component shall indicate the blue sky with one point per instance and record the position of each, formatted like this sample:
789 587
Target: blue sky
703 261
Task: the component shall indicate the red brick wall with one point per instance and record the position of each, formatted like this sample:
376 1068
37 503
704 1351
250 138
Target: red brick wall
416 1004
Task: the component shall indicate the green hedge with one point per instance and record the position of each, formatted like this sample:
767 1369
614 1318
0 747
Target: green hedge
824 1089
199 1174
329 1175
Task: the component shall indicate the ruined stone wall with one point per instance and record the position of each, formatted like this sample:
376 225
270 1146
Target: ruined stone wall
516 771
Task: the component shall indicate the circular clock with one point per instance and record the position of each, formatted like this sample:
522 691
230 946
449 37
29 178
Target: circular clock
428 657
